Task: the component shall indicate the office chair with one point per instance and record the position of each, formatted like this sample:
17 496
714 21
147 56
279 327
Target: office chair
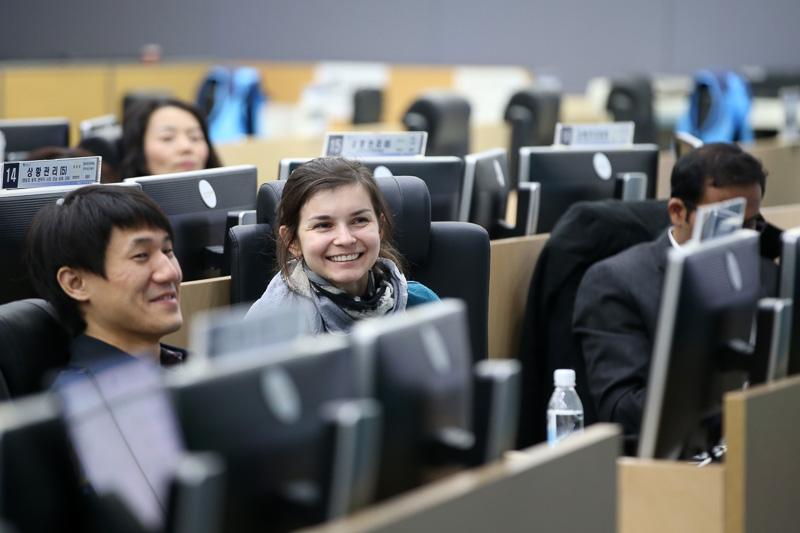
588 232
140 95
34 341
367 106
103 136
532 114
718 108
631 99
445 116
451 258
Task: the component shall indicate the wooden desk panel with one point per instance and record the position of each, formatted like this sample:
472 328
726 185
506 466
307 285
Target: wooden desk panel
181 80
284 82
670 497
197 296
782 162
513 261
406 82
763 473
266 154
783 216
568 488
75 92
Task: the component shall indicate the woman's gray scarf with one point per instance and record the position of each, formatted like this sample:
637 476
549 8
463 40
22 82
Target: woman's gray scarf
324 315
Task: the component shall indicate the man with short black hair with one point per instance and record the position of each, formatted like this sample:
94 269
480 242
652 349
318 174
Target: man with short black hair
103 258
617 304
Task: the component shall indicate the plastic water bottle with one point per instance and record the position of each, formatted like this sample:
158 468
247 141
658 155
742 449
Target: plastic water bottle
565 411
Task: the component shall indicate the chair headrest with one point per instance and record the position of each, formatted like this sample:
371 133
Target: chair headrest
445 116
34 341
407 198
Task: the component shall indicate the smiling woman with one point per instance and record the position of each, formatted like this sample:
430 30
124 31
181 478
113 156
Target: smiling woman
334 249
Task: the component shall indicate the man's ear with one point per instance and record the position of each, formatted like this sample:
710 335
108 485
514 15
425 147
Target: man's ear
73 283
677 211
283 231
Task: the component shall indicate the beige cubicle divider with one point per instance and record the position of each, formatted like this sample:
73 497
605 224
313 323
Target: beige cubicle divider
756 488
488 136
266 154
283 82
197 296
762 430
569 488
75 92
512 264
782 162
180 80
407 82
670 497
576 108
783 216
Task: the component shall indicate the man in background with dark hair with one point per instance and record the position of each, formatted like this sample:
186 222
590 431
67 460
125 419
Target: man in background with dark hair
103 258
617 304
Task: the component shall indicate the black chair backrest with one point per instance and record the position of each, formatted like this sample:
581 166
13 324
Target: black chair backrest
533 115
631 99
33 341
367 106
445 116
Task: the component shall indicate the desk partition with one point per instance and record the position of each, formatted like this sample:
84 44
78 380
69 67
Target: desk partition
755 490
568 488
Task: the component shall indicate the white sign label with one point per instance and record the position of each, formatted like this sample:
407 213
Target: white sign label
34 174
604 134
362 144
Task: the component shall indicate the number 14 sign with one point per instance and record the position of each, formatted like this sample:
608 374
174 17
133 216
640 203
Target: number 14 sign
33 174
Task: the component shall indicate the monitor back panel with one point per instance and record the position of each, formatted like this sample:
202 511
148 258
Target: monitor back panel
568 176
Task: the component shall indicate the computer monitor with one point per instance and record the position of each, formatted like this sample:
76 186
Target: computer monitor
702 344
770 357
17 209
229 330
790 288
198 204
299 446
418 365
25 135
569 175
126 440
124 435
487 184
444 176
39 487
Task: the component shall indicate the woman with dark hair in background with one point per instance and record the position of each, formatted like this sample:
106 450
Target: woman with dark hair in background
162 136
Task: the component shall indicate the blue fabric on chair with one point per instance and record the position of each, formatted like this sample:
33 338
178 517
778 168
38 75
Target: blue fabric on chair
718 108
